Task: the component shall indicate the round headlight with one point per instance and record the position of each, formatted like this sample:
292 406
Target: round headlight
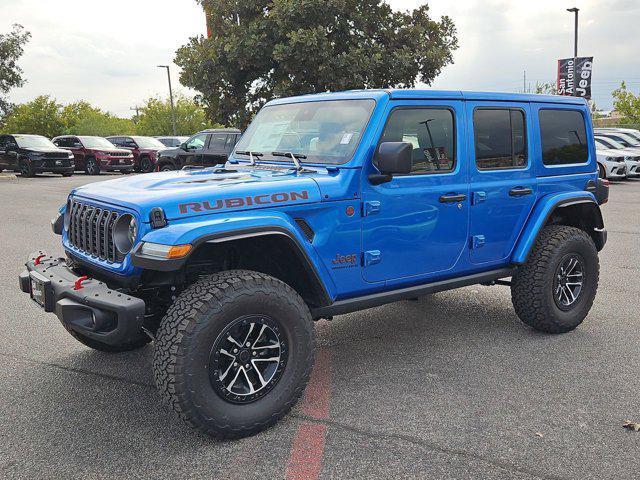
125 232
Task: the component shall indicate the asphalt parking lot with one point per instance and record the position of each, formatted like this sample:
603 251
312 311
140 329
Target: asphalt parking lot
450 386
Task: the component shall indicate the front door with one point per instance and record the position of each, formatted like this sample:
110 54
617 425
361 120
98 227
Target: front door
194 149
416 225
503 181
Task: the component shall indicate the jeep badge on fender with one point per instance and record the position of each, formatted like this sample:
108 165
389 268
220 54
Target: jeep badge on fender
330 204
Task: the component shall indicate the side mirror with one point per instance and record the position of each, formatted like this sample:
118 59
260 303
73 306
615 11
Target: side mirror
392 158
183 146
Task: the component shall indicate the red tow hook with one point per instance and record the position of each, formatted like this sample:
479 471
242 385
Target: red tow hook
38 260
78 284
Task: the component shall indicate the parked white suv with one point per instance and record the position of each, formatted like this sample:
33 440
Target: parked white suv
631 155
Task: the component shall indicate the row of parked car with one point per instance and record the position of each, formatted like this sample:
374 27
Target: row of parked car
618 151
33 154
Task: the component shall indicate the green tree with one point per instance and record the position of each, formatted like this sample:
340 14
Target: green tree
262 49
155 117
40 116
627 104
81 118
11 49
549 88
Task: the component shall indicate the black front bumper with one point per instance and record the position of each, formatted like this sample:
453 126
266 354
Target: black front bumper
90 307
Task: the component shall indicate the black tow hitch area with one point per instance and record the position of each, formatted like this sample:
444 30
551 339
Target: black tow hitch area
85 305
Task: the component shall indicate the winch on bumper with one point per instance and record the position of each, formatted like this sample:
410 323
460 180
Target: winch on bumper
86 306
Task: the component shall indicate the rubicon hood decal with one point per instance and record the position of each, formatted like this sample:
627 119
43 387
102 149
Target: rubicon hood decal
239 202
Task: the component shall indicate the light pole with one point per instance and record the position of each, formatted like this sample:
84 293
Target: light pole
173 109
575 11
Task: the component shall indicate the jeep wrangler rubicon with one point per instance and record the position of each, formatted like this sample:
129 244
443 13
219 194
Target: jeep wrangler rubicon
330 204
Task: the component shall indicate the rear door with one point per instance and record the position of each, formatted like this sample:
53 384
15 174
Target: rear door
502 177
216 152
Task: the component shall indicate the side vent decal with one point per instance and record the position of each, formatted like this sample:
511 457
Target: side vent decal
306 229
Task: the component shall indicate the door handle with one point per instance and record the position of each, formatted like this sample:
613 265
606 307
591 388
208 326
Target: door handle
453 198
520 191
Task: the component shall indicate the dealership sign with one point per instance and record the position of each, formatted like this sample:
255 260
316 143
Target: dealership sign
574 77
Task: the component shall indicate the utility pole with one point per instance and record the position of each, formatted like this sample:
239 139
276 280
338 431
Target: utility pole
137 110
524 81
575 11
173 109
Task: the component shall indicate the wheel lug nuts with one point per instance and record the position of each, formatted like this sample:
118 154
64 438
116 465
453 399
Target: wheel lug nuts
248 344
235 364
235 350
247 366
254 354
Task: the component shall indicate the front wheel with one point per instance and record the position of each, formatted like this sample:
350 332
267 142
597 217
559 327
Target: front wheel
554 291
146 165
92 167
26 169
166 167
234 352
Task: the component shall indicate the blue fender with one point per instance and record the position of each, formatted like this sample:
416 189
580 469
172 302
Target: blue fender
253 223
539 217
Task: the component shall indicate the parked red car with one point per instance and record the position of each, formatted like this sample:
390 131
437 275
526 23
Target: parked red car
96 154
145 151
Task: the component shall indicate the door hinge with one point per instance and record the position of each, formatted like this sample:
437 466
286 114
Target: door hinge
479 197
371 257
370 208
477 241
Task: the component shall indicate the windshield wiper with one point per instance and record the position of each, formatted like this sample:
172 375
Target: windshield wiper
252 156
293 156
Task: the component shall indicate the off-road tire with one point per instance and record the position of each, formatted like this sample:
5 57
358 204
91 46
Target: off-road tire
146 165
142 340
26 169
186 337
532 287
91 166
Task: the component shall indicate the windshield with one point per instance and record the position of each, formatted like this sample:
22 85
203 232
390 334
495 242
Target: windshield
323 132
608 143
148 142
34 141
96 142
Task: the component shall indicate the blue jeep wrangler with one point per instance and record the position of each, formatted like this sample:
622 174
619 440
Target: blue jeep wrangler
330 204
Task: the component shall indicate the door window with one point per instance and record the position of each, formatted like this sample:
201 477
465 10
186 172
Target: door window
564 137
197 142
431 133
217 142
500 138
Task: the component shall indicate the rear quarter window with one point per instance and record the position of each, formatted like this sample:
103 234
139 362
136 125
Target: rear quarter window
563 135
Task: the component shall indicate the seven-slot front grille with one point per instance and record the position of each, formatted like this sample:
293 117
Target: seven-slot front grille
91 231
119 154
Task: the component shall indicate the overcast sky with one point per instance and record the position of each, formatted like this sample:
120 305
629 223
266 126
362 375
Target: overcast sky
107 52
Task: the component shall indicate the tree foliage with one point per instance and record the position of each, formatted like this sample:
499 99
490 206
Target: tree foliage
155 117
41 116
627 104
45 116
262 49
11 49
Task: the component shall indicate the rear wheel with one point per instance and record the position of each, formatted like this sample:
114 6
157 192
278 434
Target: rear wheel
234 352
92 167
26 169
554 291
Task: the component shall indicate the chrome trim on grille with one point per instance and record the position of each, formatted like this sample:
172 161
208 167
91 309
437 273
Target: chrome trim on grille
91 231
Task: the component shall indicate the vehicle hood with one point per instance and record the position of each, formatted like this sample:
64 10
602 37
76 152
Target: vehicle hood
606 152
187 193
46 150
